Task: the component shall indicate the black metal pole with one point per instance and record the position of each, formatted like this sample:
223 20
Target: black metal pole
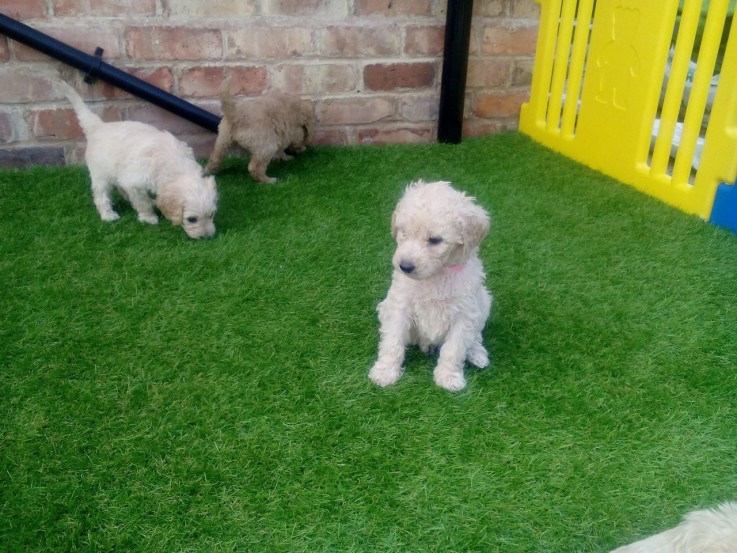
96 68
455 67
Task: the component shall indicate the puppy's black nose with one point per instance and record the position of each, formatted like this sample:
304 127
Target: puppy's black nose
406 267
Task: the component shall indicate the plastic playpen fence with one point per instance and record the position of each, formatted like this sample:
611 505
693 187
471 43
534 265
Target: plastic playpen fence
625 87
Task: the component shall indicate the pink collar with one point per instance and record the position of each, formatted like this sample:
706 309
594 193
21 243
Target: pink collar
456 268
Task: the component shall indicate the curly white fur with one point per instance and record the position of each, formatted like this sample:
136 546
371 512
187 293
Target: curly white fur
705 531
437 298
149 167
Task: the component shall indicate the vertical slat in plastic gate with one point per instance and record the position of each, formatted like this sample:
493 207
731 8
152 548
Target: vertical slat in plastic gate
615 87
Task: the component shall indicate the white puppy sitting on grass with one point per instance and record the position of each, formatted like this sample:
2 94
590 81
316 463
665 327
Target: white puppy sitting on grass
150 168
437 298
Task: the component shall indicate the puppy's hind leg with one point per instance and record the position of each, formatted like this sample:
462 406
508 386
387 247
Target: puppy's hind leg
283 156
101 189
222 142
257 168
448 373
477 354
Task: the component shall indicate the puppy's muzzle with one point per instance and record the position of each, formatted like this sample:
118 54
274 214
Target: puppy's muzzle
199 234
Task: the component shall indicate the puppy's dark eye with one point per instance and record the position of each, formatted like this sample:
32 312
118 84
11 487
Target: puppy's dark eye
192 219
434 240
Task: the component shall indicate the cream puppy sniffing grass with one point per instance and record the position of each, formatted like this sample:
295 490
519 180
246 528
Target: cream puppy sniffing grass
151 168
703 531
437 298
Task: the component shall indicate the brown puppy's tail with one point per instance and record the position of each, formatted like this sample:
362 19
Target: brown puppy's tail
227 100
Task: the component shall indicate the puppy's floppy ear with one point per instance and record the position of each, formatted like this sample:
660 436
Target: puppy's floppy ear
211 183
169 201
394 223
400 204
474 225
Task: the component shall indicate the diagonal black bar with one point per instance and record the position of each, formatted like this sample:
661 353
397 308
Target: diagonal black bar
93 67
455 67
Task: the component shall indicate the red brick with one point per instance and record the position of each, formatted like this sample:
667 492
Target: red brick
269 42
250 80
473 44
173 43
208 8
23 9
201 81
162 119
422 108
424 41
491 8
399 75
58 123
85 39
525 9
206 82
482 127
104 8
395 136
522 73
315 79
354 110
161 77
331 136
393 7
499 105
22 85
108 114
488 72
503 39
63 123
99 90
6 128
4 50
310 8
361 41
95 92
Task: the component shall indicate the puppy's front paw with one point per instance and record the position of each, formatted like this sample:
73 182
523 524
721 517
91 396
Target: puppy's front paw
384 375
478 356
149 218
109 216
449 380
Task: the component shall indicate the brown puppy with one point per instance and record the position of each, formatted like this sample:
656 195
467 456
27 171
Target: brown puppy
265 126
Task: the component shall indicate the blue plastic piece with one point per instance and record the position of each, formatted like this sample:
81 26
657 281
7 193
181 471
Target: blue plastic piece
724 211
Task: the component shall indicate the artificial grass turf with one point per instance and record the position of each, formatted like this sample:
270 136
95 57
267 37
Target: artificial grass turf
164 394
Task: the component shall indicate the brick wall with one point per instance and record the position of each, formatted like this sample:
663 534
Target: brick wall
372 67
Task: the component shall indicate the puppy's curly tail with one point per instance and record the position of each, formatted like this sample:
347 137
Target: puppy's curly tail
87 120
227 100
